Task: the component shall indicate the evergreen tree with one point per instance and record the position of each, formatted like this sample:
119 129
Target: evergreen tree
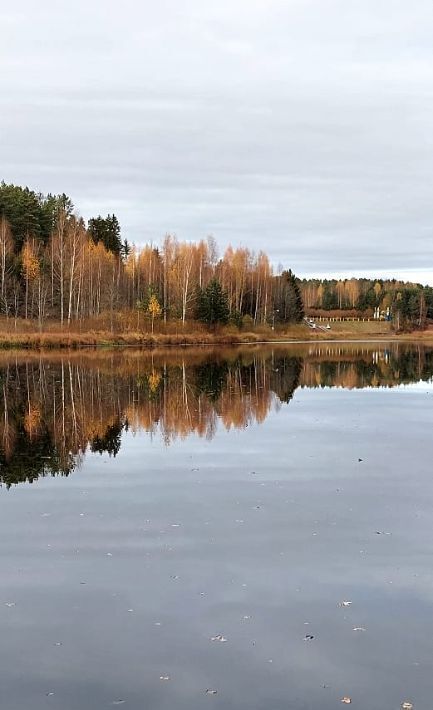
125 249
289 306
30 214
107 230
428 295
330 298
212 304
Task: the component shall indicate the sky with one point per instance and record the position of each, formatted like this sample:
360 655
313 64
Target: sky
300 127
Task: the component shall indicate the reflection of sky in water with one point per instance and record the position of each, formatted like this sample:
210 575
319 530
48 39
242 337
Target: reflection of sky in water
422 386
188 537
258 535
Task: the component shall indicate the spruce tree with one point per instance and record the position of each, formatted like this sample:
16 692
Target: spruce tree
292 305
107 230
212 304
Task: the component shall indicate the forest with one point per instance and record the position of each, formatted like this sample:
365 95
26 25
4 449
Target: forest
55 266
406 304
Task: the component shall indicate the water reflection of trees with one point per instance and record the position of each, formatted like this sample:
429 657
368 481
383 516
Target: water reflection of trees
386 367
55 408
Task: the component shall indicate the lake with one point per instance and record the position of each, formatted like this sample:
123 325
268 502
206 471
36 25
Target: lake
242 528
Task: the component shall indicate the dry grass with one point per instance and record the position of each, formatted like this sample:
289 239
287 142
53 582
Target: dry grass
98 333
107 339
357 328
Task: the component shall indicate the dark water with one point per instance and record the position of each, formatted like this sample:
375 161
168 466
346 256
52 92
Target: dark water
150 503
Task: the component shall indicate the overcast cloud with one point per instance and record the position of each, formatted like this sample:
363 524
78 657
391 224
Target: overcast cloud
301 127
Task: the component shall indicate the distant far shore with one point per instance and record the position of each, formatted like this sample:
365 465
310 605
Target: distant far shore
25 335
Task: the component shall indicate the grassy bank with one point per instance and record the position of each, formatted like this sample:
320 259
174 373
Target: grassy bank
101 339
25 334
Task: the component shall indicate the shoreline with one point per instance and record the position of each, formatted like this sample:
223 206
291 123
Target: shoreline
46 340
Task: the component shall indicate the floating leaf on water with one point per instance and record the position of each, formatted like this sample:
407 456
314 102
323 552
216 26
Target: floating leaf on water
211 692
219 637
346 700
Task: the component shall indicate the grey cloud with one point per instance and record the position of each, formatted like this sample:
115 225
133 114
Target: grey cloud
302 128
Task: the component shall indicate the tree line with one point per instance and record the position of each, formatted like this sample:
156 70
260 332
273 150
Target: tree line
405 303
54 265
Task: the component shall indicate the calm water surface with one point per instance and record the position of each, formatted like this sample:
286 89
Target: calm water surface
152 503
